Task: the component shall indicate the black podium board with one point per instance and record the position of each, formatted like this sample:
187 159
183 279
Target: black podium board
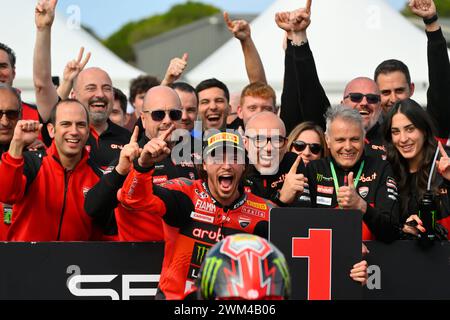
321 246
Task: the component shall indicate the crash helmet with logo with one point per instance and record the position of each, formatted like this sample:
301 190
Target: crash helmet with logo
244 266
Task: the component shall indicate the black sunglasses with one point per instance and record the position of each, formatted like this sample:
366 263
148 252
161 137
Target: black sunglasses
159 115
10 114
357 97
300 146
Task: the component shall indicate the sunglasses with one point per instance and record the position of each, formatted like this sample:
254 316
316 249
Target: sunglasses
261 141
10 114
357 97
300 146
159 115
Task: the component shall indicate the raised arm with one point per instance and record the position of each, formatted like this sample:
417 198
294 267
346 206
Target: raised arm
309 102
438 104
253 64
12 165
46 96
175 70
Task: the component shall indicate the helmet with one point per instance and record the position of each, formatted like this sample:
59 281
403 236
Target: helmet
244 266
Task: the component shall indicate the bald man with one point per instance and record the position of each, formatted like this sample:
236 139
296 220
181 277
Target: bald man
160 111
274 173
93 88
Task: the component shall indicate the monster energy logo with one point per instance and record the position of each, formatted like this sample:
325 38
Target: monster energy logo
282 266
201 251
320 177
209 275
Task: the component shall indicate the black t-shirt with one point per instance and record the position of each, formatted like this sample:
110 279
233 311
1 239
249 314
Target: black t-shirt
104 149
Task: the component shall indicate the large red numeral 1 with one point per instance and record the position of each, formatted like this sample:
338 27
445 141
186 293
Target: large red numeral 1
317 249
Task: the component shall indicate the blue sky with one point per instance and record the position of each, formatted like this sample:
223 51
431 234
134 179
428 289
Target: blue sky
107 16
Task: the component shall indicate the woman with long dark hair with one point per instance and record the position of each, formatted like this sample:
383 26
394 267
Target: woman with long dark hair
409 133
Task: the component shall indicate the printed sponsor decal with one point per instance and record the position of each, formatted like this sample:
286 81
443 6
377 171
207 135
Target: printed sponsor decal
159 179
253 212
363 191
394 192
224 136
369 178
116 146
381 148
391 185
320 178
324 201
305 198
201 194
201 217
205 206
208 235
261 206
325 189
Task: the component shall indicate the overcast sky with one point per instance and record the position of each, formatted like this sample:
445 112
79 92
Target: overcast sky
107 16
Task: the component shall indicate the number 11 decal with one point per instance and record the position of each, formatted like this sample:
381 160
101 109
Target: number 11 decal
317 249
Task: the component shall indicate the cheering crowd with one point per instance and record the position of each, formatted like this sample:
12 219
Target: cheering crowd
191 166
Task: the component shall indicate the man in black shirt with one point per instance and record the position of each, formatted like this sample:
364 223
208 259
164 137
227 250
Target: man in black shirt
351 179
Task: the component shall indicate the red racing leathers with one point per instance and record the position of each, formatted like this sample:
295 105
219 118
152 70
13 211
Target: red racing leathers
189 206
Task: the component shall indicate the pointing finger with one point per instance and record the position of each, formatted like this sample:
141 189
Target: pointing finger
295 165
308 5
442 150
227 19
134 136
185 56
167 133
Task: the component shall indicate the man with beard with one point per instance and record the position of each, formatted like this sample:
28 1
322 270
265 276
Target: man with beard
273 173
205 210
92 87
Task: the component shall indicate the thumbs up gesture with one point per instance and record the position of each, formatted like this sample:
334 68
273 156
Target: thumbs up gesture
175 69
348 198
293 185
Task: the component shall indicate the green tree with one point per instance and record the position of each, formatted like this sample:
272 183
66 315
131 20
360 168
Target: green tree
442 6
121 42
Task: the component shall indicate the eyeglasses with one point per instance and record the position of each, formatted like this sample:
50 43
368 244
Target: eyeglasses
10 114
159 115
300 146
262 141
357 97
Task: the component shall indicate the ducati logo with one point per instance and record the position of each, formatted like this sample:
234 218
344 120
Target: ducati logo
244 222
363 191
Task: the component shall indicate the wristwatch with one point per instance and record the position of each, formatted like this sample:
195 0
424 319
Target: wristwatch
277 201
430 20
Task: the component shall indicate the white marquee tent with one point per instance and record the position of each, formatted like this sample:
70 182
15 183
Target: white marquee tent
349 38
17 30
